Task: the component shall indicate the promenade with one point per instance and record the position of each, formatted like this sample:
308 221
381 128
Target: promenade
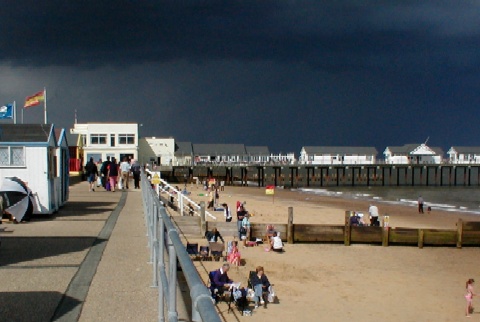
88 262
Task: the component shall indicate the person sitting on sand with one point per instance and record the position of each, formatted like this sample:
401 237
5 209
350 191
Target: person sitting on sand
276 243
214 235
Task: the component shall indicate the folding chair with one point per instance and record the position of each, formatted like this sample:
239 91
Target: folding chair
192 250
204 252
216 250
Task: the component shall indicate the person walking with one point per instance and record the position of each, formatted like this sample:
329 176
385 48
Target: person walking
136 174
113 174
91 173
420 205
125 171
104 171
469 297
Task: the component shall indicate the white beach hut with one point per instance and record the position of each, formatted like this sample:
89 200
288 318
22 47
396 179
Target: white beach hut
29 152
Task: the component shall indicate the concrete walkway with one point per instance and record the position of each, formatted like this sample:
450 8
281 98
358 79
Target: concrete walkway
88 262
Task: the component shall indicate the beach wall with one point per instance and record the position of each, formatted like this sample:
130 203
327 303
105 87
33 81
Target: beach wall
330 176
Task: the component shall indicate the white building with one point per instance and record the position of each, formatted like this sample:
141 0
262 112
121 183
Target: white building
413 154
158 151
464 155
100 140
338 155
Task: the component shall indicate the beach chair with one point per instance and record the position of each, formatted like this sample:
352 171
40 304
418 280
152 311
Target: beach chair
192 250
204 252
216 250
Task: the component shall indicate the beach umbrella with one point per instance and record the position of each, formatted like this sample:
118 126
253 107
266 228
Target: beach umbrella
17 198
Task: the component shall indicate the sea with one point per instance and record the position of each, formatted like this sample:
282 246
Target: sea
454 199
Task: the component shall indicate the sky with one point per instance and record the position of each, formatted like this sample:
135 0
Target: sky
282 74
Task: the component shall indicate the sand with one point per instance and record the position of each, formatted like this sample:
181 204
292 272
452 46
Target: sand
332 282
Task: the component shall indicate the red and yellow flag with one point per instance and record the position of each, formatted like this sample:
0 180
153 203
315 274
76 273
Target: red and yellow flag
270 190
34 100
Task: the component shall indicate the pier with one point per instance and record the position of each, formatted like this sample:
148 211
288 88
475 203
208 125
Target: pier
295 176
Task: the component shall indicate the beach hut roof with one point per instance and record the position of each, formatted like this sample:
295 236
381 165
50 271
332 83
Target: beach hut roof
25 132
466 149
257 150
219 149
407 148
343 150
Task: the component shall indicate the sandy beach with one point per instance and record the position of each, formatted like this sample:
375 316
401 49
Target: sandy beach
332 282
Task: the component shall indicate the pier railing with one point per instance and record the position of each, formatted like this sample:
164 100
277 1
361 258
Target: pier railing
166 248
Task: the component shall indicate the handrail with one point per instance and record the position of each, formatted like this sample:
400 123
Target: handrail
180 197
162 235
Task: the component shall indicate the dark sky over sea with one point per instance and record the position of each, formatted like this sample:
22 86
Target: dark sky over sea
279 73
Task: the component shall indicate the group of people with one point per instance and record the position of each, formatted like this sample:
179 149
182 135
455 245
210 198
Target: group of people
358 220
220 282
110 171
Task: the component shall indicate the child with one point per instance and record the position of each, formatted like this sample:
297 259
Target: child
233 256
469 297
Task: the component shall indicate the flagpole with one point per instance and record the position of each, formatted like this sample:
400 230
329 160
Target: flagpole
45 104
14 112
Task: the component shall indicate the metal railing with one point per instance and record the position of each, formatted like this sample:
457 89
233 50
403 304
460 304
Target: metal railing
182 199
162 235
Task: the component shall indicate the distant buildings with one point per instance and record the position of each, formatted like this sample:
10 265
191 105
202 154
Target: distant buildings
99 140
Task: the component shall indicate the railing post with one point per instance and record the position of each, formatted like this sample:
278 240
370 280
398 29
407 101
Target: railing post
290 226
459 233
203 225
172 285
346 236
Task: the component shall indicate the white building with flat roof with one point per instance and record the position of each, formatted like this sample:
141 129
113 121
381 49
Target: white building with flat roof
158 151
100 140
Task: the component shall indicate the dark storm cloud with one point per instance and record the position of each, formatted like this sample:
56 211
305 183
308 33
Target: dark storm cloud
278 73
327 34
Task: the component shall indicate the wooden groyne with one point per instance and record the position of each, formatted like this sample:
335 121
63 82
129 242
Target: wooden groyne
329 176
464 234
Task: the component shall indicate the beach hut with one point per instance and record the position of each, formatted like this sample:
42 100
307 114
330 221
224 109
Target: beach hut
30 152
464 155
413 154
338 155
62 181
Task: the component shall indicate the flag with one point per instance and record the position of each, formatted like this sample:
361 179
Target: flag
35 99
6 112
270 190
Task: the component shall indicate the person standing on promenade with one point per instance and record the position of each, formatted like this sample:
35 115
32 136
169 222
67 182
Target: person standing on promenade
113 174
104 171
373 211
469 297
91 173
125 170
136 174
222 185
420 205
